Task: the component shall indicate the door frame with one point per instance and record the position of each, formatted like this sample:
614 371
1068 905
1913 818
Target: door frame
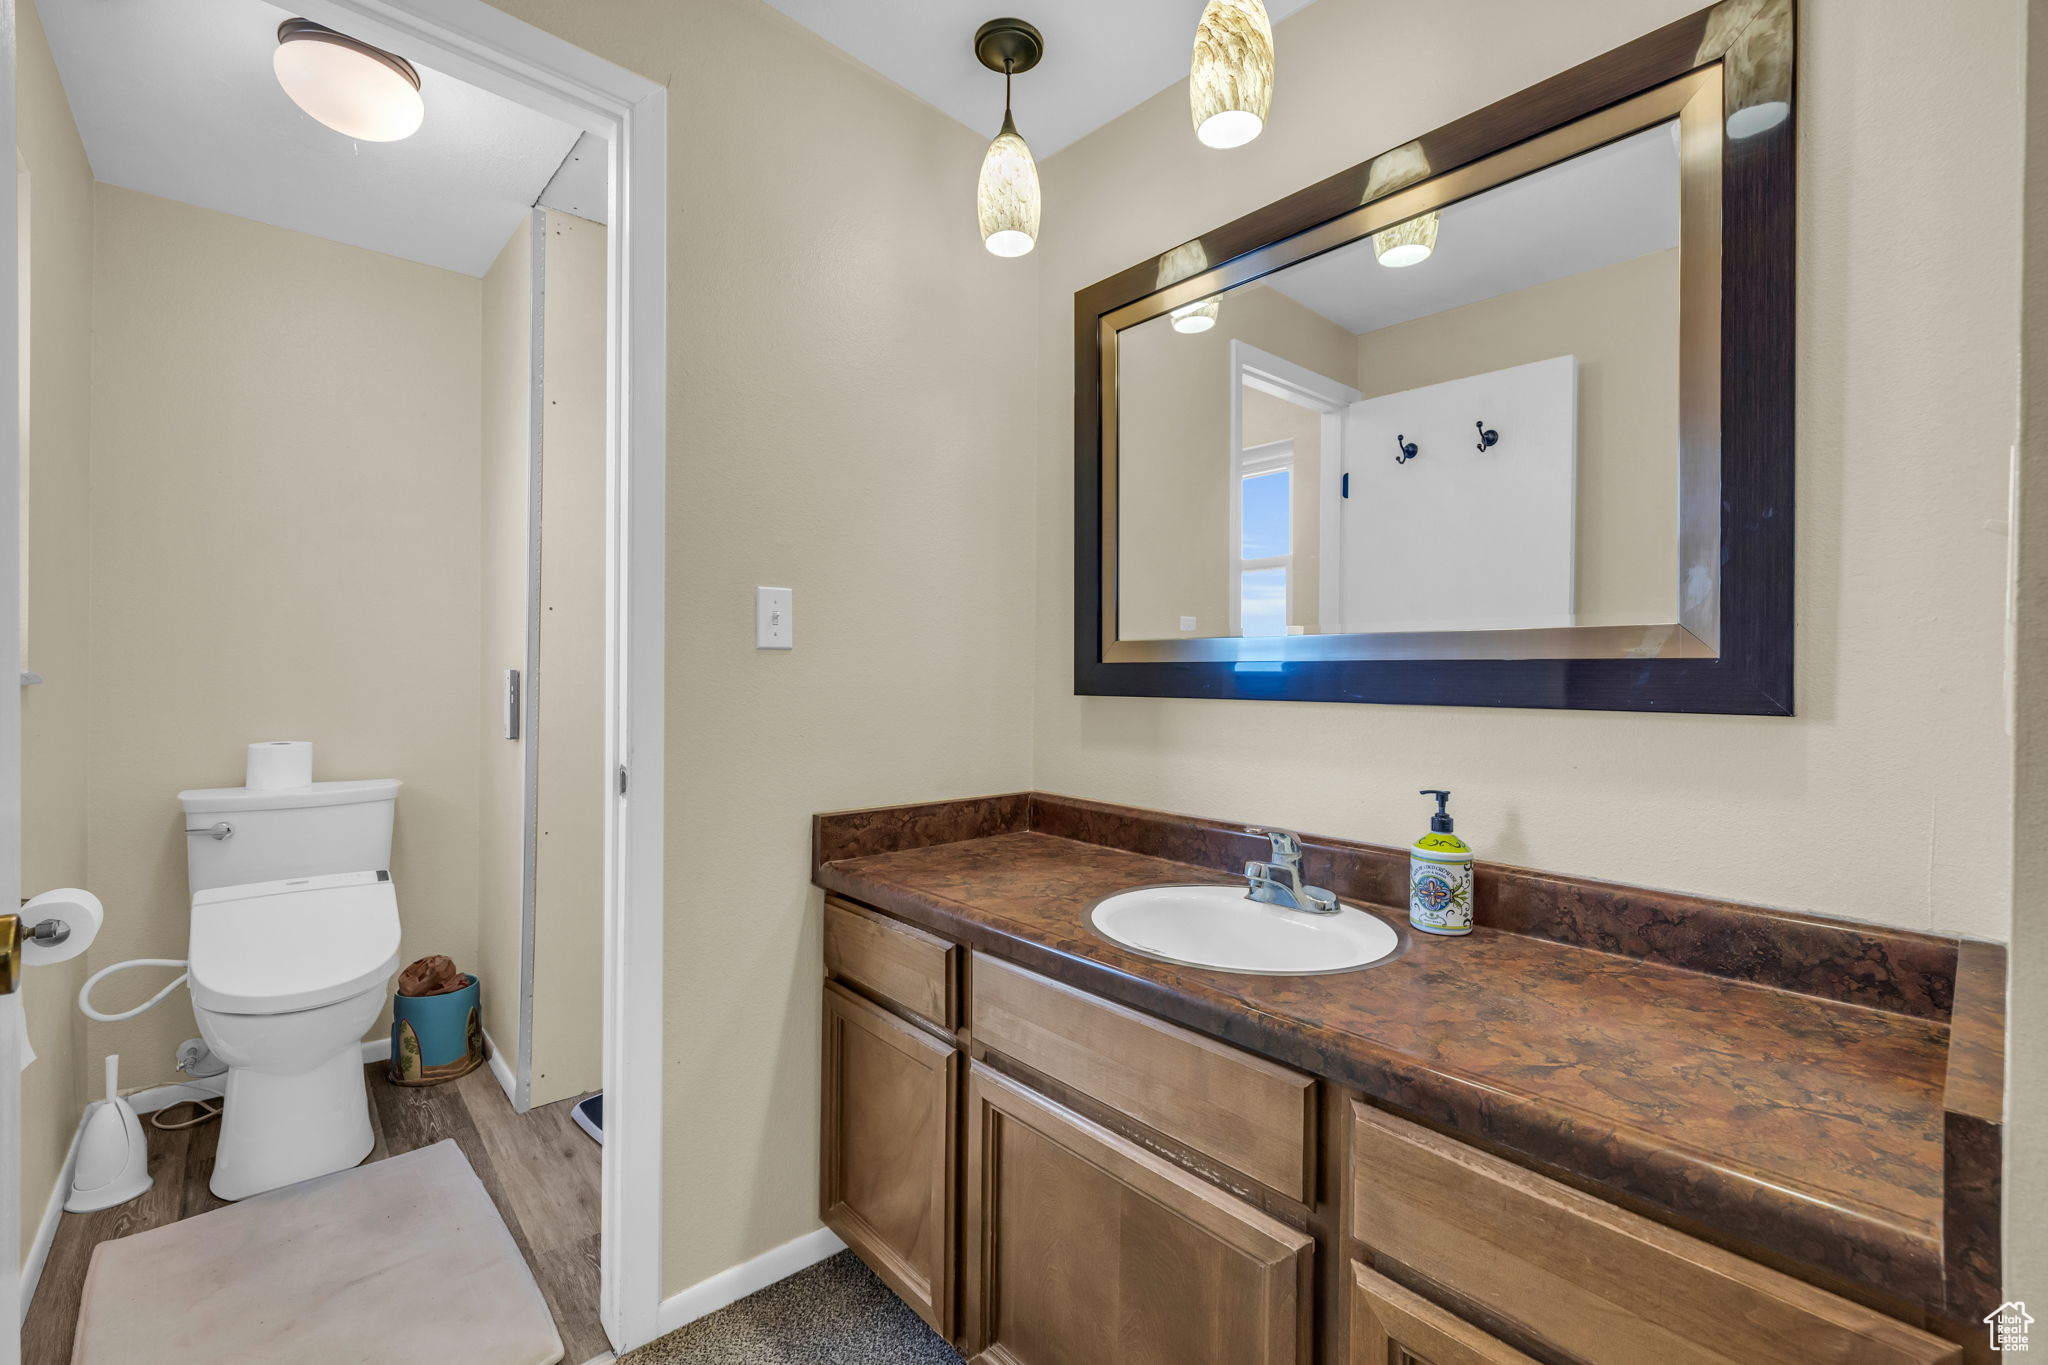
1280 377
12 408
474 42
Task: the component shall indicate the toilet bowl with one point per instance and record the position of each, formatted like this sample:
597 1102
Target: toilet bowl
286 978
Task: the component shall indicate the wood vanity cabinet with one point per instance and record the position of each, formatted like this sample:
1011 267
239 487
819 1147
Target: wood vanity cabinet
1589 1281
890 1105
1082 1248
1391 1325
1051 1178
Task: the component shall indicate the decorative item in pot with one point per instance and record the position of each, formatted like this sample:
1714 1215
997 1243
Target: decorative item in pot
436 1024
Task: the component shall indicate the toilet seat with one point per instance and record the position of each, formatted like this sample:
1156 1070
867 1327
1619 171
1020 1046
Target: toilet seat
285 946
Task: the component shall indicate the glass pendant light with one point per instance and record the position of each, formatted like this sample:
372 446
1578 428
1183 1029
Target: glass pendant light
1408 243
1230 86
355 89
1007 197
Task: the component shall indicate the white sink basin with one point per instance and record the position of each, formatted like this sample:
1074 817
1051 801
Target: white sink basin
1216 926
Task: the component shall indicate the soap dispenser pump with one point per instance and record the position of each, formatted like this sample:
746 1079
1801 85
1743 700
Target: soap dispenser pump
1440 875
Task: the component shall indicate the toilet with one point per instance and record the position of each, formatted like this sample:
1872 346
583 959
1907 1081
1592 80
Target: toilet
294 941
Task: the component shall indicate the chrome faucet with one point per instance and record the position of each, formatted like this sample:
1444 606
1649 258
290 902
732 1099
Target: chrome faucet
1278 882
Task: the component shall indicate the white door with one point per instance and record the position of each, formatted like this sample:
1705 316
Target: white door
1458 537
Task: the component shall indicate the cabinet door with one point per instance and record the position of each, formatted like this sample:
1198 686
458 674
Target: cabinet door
1392 1326
1084 1249
890 1091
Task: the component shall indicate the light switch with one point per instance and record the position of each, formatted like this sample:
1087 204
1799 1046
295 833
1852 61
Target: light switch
774 618
1187 623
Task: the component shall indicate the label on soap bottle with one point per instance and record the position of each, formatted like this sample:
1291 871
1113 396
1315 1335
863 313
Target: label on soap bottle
1440 884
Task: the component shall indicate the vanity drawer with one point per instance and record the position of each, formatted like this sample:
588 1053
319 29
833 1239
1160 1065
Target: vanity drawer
1596 1282
1243 1111
899 962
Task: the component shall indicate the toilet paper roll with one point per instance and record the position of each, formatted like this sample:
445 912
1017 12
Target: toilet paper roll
280 763
80 912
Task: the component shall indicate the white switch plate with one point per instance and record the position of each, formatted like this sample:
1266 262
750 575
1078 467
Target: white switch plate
774 618
1187 623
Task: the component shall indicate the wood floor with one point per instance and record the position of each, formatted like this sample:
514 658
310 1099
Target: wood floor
540 1169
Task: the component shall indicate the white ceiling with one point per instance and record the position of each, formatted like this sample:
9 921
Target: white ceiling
1102 57
1612 204
176 98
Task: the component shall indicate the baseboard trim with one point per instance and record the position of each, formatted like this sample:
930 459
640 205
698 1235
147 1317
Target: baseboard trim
730 1286
501 1070
376 1050
46 1231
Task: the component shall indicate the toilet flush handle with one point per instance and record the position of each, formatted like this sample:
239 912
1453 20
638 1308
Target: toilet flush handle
219 831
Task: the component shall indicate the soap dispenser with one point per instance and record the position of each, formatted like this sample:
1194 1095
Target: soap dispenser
1440 876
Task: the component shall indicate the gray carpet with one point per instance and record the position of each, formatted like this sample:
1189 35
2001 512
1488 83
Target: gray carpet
835 1313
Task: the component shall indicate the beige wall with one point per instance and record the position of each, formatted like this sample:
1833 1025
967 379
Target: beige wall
286 495
1173 455
850 416
1884 799
573 787
53 716
502 625
1621 322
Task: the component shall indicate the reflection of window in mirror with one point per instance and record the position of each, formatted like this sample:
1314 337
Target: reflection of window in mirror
21 352
1265 539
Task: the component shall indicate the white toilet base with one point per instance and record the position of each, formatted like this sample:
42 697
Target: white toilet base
278 1130
295 1102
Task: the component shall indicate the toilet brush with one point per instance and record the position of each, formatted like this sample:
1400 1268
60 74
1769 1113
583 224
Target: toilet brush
113 1158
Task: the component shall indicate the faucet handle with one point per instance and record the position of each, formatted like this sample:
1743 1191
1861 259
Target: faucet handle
1286 843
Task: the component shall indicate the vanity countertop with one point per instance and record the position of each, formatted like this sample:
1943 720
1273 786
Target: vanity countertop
1808 1126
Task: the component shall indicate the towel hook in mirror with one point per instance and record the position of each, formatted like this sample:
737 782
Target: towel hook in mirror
1406 447
1486 438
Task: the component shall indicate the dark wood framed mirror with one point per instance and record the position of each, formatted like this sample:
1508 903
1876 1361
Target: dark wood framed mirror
1499 417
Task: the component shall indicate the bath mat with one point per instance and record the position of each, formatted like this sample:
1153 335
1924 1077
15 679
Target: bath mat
401 1262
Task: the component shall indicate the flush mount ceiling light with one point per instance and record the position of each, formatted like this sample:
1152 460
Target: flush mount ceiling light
1230 86
361 91
1196 317
1007 197
1406 243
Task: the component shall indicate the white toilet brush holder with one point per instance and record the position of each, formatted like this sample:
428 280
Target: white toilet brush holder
113 1156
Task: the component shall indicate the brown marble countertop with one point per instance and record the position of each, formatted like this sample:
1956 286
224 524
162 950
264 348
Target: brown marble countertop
1805 1125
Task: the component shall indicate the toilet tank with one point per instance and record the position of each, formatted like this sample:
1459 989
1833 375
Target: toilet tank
238 835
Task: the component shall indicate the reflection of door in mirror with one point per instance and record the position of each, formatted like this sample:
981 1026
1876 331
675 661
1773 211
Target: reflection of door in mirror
1544 310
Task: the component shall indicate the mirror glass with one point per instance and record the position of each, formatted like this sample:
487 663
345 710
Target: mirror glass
1465 422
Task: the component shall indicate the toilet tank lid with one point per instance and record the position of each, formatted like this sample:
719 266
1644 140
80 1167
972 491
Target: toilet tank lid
214 800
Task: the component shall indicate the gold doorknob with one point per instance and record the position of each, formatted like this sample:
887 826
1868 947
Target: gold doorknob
10 953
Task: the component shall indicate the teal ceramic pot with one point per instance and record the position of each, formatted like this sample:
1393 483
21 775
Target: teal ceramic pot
436 1038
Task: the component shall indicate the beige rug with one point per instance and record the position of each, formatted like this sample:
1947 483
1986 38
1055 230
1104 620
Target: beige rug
401 1262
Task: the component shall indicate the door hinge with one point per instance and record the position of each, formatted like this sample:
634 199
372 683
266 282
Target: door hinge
622 779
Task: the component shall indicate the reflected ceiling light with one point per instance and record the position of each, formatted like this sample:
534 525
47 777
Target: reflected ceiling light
353 88
1196 317
1230 87
1007 197
1406 243
1185 262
